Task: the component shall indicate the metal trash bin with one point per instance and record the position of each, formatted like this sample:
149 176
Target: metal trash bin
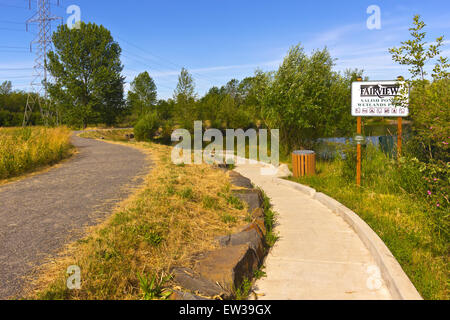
304 163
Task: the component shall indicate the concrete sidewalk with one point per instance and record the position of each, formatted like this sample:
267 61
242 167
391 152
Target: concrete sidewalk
318 256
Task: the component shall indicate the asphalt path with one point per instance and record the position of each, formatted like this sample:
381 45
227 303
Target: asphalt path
39 215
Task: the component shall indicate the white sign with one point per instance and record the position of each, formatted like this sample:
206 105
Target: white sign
376 99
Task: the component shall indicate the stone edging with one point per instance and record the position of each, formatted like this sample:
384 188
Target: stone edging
217 274
398 283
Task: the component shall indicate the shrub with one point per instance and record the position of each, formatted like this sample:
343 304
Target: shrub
429 181
147 127
429 106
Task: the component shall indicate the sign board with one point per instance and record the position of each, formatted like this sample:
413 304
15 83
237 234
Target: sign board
376 99
360 139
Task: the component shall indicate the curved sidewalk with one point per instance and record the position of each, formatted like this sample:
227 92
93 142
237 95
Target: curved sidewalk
318 256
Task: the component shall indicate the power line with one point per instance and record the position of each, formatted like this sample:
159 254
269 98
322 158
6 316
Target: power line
11 22
18 77
15 69
159 85
164 59
16 30
12 47
11 6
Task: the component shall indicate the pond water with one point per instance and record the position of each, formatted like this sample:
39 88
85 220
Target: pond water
327 147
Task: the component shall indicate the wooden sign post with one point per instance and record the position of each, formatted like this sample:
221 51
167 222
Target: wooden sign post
399 137
378 99
359 155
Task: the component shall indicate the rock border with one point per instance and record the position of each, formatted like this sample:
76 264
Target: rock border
219 273
398 283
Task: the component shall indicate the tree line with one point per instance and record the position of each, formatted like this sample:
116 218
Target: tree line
305 98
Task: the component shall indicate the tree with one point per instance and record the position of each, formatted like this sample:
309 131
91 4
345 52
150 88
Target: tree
252 92
87 70
414 53
306 99
6 87
12 105
429 100
185 87
184 96
142 95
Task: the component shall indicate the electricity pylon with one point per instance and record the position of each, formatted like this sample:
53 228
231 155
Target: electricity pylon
43 43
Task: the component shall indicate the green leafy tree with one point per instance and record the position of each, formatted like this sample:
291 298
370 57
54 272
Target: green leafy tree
414 53
6 87
185 87
184 96
428 147
142 95
307 99
12 105
147 126
86 66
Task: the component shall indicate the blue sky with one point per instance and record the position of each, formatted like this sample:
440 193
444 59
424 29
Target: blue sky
218 40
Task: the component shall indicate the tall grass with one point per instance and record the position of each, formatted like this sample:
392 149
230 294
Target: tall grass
393 203
25 149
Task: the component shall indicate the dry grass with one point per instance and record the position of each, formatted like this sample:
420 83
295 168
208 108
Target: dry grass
117 135
23 150
178 213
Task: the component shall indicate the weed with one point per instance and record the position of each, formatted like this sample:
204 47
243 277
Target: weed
269 221
244 290
210 202
170 190
260 273
153 289
187 193
233 201
228 218
153 239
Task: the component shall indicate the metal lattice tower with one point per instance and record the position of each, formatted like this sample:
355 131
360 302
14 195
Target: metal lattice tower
43 43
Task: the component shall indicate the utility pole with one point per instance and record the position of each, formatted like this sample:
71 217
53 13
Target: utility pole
43 42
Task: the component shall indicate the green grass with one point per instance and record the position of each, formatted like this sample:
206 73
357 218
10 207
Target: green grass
23 150
270 218
244 290
403 221
227 218
259 273
152 288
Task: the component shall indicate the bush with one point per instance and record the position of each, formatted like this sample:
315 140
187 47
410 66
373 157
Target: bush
426 180
147 127
429 106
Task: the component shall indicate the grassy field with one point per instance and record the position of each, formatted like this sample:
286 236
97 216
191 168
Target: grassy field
405 223
178 212
23 150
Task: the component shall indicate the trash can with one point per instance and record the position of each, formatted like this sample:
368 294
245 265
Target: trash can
304 163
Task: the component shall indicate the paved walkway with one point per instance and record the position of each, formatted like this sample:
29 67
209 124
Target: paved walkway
318 256
39 215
